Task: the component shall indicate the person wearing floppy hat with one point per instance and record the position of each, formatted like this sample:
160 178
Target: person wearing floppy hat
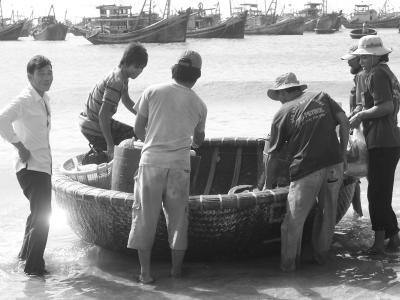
304 127
379 119
170 119
356 93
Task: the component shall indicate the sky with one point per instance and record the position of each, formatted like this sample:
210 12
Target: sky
76 9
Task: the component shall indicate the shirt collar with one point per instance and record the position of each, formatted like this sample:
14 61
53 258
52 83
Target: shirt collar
35 94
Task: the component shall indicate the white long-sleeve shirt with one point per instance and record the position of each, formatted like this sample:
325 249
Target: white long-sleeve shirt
27 119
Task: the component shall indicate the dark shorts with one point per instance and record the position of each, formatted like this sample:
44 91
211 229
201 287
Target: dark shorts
119 132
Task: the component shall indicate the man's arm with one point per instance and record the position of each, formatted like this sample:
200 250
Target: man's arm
344 128
140 126
127 101
10 114
105 114
376 111
271 169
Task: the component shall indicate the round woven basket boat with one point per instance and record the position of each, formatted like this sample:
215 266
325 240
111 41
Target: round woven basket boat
220 224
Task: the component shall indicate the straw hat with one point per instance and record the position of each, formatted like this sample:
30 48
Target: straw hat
282 82
371 45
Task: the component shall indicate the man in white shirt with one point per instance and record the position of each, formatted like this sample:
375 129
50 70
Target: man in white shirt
25 122
171 117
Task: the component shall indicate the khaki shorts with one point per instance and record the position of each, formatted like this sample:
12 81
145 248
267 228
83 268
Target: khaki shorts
157 187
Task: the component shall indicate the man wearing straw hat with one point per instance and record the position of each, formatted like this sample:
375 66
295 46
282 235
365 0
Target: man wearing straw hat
171 117
379 118
305 126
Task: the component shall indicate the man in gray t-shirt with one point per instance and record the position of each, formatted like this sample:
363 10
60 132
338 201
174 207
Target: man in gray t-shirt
171 118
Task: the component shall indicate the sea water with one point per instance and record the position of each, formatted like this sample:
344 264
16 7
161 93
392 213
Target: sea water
235 77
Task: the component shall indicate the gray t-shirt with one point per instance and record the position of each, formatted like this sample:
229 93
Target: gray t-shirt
174 113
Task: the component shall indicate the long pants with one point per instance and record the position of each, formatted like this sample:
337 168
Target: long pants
37 188
381 169
157 188
119 132
321 188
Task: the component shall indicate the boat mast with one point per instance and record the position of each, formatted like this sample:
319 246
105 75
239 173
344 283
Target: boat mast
272 10
1 14
167 8
230 7
150 12
324 7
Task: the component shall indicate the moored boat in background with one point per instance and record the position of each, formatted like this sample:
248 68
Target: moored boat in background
364 14
202 24
311 12
328 23
48 29
9 29
289 26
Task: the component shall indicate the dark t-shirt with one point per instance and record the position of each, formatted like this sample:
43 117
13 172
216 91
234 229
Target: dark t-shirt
382 86
308 124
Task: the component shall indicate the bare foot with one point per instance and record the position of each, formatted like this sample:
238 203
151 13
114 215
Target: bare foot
394 243
176 273
145 279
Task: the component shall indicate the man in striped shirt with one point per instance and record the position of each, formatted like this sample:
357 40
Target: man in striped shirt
96 122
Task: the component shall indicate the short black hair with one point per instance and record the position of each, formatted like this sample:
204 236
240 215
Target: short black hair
36 63
135 54
384 58
185 73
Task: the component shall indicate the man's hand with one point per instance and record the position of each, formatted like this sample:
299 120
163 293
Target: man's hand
355 120
23 153
110 152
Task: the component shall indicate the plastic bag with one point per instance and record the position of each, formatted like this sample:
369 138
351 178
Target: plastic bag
357 154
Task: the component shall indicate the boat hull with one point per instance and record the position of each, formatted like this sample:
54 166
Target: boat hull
385 23
221 224
171 30
292 26
328 23
11 32
52 32
233 28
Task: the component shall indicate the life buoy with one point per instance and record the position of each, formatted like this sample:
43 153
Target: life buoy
200 6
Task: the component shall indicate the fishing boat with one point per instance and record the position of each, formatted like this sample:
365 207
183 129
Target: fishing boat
226 216
203 24
48 29
364 14
9 29
126 29
10 32
311 12
289 26
328 23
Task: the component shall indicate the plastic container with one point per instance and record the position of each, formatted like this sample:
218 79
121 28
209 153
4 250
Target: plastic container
125 164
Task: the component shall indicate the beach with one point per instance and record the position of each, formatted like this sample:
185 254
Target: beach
235 77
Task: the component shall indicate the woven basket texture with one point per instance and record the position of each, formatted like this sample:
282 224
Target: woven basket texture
220 224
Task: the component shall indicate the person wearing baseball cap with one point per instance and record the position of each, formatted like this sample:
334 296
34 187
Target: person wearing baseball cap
304 128
379 119
170 119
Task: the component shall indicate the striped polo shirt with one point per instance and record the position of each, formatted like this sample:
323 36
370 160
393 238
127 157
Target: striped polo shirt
108 90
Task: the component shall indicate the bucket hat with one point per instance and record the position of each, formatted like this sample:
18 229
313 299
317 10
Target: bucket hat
282 82
371 45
